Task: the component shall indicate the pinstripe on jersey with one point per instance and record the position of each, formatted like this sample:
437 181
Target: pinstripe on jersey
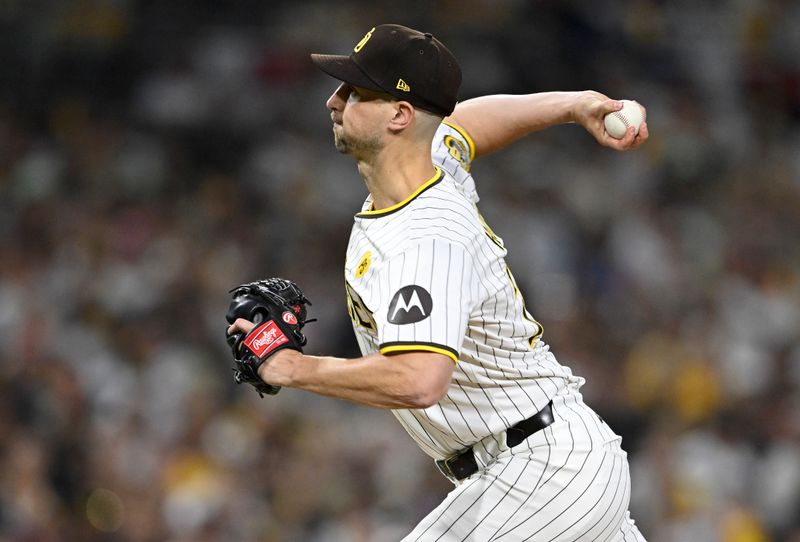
437 242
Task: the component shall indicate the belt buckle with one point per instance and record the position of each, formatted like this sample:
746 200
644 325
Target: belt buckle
459 466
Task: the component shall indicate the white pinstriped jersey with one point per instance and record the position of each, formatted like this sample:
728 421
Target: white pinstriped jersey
428 274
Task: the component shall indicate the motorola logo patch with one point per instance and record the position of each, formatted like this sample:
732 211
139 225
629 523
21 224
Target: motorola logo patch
409 305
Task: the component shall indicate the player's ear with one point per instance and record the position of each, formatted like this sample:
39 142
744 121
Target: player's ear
403 116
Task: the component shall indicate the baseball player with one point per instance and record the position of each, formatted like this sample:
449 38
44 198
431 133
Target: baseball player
447 342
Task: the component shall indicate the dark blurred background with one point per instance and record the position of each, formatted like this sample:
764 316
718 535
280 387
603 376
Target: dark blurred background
155 154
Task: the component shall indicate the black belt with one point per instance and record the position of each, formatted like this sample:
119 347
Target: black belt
463 464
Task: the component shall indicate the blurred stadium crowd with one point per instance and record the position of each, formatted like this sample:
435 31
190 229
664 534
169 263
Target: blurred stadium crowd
155 154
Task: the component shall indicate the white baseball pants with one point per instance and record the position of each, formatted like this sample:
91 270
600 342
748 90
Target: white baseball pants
567 482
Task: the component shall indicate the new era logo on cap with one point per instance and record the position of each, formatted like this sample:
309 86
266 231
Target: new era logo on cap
404 63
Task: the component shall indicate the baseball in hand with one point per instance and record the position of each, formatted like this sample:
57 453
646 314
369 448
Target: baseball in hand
617 122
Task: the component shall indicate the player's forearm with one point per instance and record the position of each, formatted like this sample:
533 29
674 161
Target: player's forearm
374 380
498 120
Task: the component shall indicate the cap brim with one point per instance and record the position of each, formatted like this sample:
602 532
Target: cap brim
344 69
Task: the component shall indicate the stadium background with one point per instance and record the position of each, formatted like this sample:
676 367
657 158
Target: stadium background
154 154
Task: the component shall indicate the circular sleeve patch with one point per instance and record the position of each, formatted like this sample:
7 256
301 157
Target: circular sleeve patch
409 305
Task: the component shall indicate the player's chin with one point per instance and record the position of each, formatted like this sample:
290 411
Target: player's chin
340 145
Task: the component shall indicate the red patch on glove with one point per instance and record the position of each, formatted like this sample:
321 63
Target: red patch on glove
265 338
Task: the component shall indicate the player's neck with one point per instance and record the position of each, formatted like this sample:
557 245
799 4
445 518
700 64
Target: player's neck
392 177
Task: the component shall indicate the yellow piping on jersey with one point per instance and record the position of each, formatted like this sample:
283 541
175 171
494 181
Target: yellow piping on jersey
466 137
415 347
397 206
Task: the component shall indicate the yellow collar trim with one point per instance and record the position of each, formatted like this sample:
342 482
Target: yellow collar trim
397 206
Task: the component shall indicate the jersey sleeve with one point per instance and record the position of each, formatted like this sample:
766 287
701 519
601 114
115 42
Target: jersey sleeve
453 150
426 300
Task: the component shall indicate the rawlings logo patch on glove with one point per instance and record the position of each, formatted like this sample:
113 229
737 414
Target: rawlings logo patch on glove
264 339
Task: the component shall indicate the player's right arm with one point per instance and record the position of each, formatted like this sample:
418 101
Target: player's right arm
495 121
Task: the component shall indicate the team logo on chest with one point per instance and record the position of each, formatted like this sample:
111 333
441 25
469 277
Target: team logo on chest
409 305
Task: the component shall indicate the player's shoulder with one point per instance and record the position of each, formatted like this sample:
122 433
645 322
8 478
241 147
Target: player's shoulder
447 195
444 212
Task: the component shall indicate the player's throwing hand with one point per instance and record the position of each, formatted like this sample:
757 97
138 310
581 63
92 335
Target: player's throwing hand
590 110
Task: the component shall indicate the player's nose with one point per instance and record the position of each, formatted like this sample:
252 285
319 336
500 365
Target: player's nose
337 100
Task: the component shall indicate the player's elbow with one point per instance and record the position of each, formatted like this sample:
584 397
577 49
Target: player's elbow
422 378
428 394
425 388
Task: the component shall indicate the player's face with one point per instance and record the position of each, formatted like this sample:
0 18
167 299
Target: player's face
358 117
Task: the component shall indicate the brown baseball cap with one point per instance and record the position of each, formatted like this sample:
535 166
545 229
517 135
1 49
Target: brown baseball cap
405 63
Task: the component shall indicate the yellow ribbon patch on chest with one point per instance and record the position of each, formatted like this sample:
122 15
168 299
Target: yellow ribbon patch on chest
363 265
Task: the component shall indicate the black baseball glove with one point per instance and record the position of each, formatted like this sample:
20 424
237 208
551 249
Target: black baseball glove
277 307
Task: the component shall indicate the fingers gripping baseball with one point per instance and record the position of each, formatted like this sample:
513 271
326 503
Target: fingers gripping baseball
603 117
265 317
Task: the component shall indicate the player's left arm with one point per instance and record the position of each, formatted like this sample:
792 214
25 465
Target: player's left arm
495 121
409 379
413 379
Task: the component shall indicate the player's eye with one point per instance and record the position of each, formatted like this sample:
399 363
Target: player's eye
353 91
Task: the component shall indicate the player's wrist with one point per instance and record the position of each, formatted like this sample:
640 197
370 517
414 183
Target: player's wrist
581 102
279 369
584 104
575 103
